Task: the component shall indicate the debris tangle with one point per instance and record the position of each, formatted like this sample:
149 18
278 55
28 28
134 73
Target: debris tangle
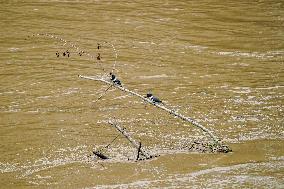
97 58
215 146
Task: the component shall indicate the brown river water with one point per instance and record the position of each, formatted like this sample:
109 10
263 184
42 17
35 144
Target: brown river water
220 63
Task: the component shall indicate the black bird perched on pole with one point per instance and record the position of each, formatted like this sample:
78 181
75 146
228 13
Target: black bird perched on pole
153 98
114 79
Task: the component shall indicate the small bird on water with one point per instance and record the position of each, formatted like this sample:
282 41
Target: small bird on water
153 98
114 79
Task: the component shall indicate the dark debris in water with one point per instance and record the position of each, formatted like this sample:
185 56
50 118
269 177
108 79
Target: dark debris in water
81 53
66 53
142 158
100 155
208 147
99 56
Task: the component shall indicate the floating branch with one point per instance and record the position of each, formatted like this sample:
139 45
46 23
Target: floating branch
172 112
100 155
139 150
137 145
103 94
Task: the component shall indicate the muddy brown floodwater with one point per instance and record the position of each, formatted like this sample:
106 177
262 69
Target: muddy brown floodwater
218 62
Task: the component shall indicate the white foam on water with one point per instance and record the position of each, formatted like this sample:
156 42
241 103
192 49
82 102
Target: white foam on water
218 177
154 76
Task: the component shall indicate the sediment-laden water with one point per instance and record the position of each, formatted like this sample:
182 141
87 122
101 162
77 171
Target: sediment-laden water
218 62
